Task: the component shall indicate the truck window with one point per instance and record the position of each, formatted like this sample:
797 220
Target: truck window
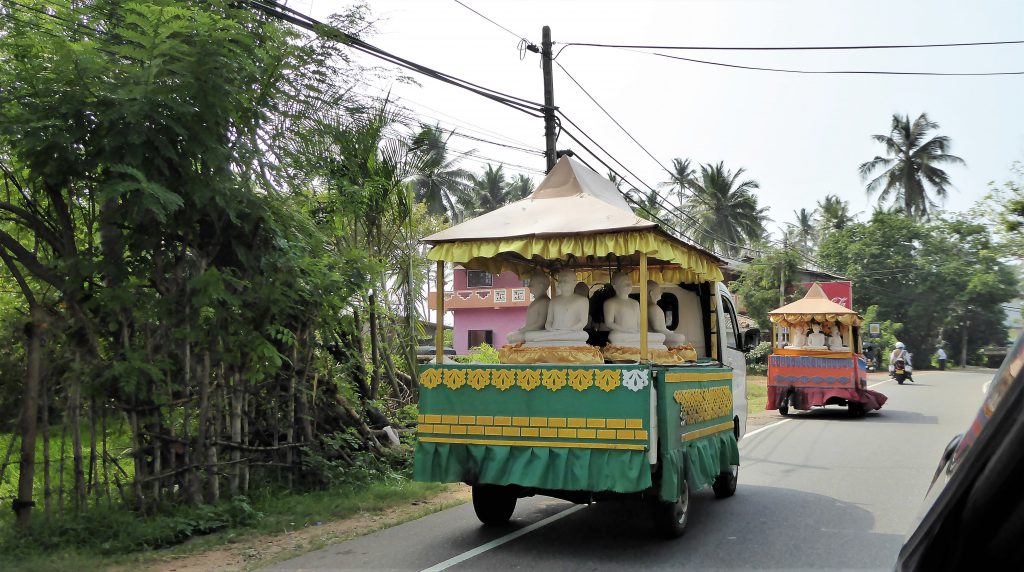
730 329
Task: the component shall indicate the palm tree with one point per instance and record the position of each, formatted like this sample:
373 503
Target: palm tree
910 164
680 179
520 187
724 214
804 229
833 214
490 191
438 180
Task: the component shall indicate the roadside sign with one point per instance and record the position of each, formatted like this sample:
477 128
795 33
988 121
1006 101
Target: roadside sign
875 330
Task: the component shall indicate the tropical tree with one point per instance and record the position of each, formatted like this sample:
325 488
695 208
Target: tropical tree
437 179
520 187
911 165
833 214
804 230
489 190
768 282
723 210
680 177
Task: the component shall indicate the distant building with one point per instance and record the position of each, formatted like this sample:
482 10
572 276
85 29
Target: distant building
484 306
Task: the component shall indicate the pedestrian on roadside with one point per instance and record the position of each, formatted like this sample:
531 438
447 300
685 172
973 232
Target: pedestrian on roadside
941 355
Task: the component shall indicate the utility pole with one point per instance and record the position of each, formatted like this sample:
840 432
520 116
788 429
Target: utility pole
549 98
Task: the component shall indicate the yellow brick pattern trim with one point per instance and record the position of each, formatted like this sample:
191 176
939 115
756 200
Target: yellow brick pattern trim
526 379
700 405
546 427
684 377
520 443
727 426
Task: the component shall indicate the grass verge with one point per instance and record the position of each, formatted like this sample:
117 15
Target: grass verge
117 539
757 393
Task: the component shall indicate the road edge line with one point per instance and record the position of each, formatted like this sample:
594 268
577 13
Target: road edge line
504 539
766 427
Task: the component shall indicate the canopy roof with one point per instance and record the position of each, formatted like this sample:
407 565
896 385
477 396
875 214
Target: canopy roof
815 305
575 218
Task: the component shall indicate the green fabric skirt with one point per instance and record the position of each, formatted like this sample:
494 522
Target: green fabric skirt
702 459
554 468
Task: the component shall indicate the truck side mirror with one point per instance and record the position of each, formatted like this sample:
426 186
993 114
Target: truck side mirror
751 338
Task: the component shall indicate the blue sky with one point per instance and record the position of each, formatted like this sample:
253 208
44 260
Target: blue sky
800 136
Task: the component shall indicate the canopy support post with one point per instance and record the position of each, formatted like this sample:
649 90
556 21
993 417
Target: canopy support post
439 326
643 307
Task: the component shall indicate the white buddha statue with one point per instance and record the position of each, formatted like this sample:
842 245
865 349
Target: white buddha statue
816 339
798 336
835 341
567 316
622 317
656 317
537 311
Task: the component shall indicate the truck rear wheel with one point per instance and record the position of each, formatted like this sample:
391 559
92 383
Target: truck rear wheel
725 483
670 518
493 504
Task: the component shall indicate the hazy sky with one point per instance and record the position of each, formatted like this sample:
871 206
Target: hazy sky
800 136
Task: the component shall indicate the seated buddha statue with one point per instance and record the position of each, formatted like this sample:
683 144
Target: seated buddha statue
537 311
622 317
567 316
816 339
656 317
835 341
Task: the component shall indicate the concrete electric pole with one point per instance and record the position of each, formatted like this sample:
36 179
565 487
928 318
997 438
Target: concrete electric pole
549 98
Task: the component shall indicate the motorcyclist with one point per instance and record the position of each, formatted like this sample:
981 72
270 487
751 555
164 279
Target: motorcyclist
900 352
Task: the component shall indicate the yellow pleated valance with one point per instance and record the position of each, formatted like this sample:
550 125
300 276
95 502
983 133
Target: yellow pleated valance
790 320
683 266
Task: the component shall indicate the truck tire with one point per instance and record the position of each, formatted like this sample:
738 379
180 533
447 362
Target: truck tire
725 483
493 504
670 518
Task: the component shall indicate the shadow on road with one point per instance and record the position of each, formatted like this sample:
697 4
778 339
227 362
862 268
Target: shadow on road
881 416
760 527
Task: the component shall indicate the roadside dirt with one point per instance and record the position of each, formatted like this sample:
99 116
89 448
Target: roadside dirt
266 549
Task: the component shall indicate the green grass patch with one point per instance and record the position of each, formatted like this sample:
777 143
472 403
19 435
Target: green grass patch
102 538
757 393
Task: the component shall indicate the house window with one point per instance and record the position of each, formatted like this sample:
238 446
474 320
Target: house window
477 337
478 279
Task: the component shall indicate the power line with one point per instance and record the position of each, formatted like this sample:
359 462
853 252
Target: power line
832 72
619 125
276 10
517 36
791 48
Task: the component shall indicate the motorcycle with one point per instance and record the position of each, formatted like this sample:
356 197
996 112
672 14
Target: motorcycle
901 372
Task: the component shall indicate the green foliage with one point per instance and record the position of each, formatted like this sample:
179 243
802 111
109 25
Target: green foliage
935 278
757 359
758 286
117 531
890 333
910 166
724 212
483 353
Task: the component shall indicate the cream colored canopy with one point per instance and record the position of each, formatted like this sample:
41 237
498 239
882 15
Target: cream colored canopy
577 218
816 306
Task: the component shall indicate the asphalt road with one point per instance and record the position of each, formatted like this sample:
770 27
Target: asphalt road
819 490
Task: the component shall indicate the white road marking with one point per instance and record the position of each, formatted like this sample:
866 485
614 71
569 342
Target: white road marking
504 539
879 383
756 431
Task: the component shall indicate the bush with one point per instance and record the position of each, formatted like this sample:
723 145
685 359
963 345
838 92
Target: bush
117 530
483 353
757 359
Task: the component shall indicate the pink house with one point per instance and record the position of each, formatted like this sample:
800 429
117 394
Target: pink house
485 307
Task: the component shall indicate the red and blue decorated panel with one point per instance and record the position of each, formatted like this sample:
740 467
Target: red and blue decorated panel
816 372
